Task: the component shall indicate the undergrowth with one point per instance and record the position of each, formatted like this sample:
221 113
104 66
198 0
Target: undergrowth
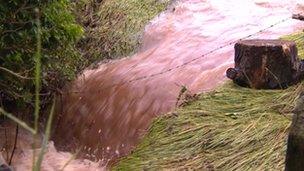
230 128
59 58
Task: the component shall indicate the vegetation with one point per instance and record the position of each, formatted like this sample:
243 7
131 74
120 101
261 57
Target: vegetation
18 32
44 44
230 128
74 35
34 131
113 27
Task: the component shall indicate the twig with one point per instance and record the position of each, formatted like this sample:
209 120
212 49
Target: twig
6 87
5 134
15 74
15 144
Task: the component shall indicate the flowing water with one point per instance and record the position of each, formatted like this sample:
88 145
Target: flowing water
104 116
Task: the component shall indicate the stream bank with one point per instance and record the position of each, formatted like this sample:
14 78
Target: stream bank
230 128
74 35
108 109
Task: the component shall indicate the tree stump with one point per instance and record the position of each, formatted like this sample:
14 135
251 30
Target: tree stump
295 144
265 64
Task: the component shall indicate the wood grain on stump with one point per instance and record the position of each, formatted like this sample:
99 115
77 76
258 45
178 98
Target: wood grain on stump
265 64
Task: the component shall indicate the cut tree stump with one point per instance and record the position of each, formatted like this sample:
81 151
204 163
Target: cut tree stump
266 64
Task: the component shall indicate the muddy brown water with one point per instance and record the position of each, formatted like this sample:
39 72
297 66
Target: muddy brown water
105 122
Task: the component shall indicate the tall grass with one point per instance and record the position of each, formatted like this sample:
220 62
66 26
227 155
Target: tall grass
45 139
230 128
37 84
37 72
114 27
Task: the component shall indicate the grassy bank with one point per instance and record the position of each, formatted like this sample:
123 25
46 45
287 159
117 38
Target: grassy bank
231 128
114 27
74 34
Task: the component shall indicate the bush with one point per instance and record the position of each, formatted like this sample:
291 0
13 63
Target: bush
18 30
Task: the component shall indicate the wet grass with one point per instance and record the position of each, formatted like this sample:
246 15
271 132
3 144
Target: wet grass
230 128
113 28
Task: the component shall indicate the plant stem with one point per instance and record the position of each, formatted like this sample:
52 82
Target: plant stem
37 82
45 138
37 75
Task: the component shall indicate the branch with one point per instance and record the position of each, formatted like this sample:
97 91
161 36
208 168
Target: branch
15 145
15 74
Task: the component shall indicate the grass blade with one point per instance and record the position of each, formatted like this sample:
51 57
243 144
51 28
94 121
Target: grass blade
18 121
45 139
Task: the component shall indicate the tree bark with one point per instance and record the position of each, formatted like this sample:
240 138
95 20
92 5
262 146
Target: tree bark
265 64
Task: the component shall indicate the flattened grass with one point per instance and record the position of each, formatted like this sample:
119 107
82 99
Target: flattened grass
231 128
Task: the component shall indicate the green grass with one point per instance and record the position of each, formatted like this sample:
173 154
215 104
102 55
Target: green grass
231 128
131 16
113 28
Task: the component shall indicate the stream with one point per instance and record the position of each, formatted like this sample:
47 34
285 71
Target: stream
106 111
